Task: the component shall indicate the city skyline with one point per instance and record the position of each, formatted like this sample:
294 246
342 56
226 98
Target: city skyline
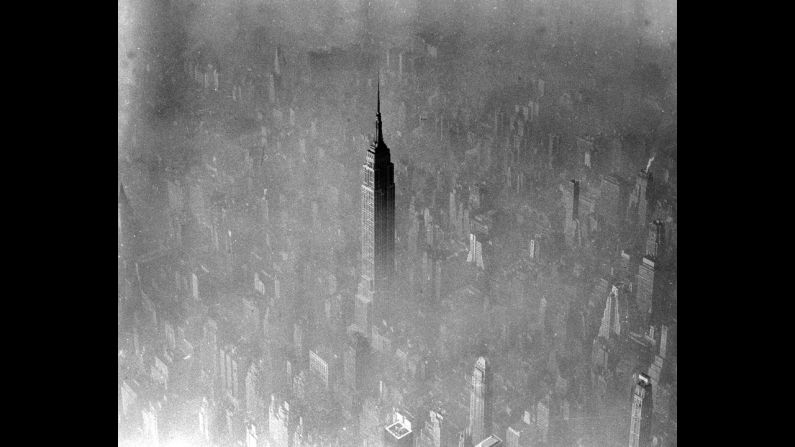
502 272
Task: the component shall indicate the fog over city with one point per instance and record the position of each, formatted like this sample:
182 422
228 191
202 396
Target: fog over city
446 223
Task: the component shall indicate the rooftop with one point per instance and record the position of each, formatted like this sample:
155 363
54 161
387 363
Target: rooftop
491 441
398 430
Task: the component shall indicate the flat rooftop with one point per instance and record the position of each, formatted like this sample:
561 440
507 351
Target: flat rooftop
491 441
398 430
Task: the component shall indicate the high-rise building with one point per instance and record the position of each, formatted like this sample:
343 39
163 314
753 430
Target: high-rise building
655 371
480 402
640 421
436 432
279 423
655 240
378 228
232 369
520 434
542 417
627 268
640 198
614 318
354 362
475 255
151 429
611 319
323 363
253 400
646 285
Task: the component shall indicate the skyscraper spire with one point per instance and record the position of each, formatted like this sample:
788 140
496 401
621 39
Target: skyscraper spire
379 135
378 229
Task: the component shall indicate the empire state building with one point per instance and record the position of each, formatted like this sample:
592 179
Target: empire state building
378 229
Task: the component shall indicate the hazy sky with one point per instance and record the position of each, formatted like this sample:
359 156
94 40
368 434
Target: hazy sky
303 24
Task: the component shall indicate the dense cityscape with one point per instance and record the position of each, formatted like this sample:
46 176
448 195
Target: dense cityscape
415 223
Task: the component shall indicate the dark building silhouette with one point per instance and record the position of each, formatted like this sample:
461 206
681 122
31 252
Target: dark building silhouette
572 224
378 229
575 202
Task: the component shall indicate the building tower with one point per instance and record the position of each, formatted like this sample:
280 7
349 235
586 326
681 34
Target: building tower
611 320
654 241
646 285
640 422
480 402
640 199
378 228
279 422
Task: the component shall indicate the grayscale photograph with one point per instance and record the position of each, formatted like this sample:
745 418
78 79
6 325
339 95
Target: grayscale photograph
414 223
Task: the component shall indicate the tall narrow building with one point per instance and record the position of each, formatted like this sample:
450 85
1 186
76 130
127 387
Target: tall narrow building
611 320
647 288
480 402
644 186
378 229
654 241
640 422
